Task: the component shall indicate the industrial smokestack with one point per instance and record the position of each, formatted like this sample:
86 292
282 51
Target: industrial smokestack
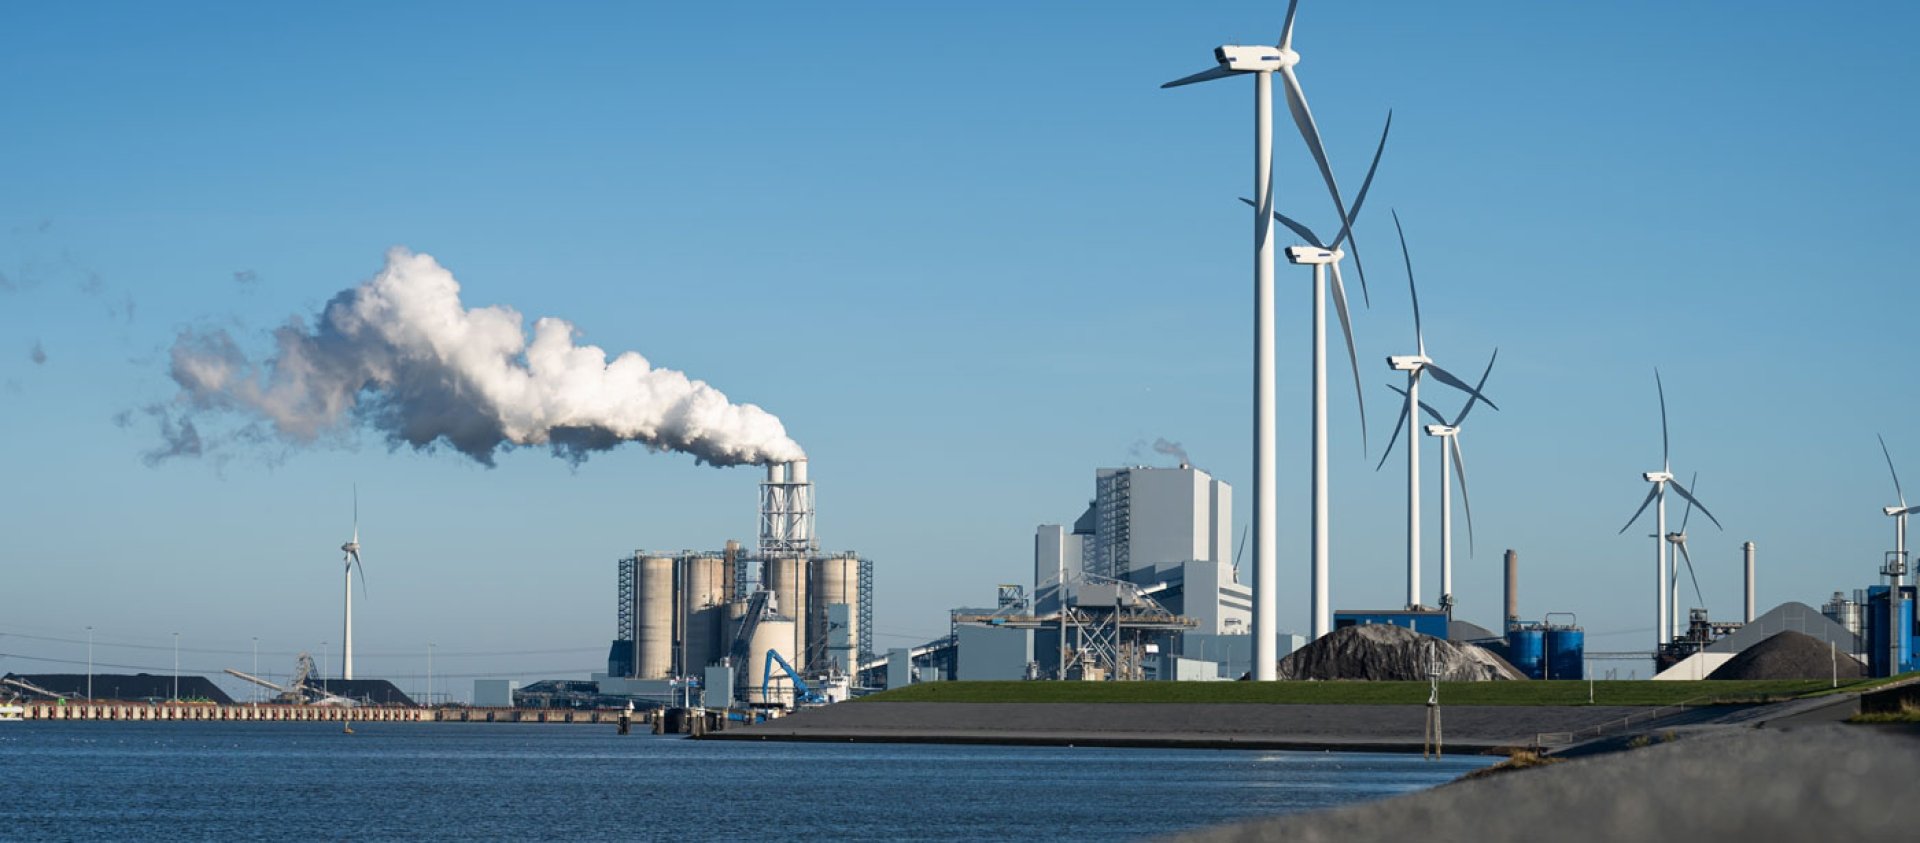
1748 547
401 354
1513 587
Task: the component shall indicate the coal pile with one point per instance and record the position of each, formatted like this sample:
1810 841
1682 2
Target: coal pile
1787 655
1384 652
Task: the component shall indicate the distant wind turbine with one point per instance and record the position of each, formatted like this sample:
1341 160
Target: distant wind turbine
1416 366
1454 461
352 554
1663 620
1897 567
1679 541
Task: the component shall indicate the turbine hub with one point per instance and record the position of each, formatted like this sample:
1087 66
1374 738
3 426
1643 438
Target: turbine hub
1253 58
1313 255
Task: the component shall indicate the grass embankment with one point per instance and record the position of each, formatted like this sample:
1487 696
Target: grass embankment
1539 692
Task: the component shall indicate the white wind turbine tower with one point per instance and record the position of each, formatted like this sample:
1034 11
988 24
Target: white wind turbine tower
1896 567
1323 254
1662 625
1416 366
352 557
1262 62
1452 461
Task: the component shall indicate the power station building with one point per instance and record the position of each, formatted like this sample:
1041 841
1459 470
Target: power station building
707 620
1158 536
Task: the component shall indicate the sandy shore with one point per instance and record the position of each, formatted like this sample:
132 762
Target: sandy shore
1380 728
1742 785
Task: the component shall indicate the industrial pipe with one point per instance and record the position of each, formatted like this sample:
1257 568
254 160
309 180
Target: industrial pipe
1513 587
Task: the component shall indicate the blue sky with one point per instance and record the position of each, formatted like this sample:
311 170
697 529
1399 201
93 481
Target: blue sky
967 254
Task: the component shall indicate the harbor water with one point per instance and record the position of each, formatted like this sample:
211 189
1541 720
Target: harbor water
146 781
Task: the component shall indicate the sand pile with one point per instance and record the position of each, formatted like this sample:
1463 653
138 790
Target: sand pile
1386 652
1787 655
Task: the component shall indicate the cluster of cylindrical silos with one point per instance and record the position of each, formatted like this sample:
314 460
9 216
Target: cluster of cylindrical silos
680 610
688 608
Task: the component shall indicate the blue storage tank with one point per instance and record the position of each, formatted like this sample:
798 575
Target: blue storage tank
1526 648
1566 652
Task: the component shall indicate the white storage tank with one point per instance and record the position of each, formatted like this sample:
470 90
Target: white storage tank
772 633
787 579
653 620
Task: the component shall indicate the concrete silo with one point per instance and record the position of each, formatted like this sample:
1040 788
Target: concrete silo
653 616
831 580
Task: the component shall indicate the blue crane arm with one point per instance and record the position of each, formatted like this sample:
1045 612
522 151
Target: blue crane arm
800 689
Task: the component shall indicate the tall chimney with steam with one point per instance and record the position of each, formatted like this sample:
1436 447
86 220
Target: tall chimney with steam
1748 547
1513 587
786 512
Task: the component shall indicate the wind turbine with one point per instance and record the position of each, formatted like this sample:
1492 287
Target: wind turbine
1416 366
1662 625
1262 62
352 557
1679 542
1454 461
1323 254
1897 567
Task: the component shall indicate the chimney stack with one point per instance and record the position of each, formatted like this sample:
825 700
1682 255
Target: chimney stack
1748 547
1513 587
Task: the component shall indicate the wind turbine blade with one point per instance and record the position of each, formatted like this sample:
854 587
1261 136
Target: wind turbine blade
1353 359
1361 198
356 513
1449 379
1476 389
1651 493
1366 184
1208 75
1696 577
1688 515
1695 501
1303 119
361 567
1896 475
1396 432
1286 30
1460 471
1665 460
1293 225
1424 406
1420 338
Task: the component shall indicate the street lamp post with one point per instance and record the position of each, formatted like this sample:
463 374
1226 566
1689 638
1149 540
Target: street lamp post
429 699
176 667
256 670
89 664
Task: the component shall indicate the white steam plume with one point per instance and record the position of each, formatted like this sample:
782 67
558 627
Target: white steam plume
400 354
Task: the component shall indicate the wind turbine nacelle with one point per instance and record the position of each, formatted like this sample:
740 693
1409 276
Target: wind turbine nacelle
1313 255
1658 476
1249 58
1440 429
1894 510
1407 362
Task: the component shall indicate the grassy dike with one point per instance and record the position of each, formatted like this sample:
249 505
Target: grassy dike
1532 693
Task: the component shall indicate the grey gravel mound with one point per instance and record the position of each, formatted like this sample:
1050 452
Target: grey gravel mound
1383 652
1788 655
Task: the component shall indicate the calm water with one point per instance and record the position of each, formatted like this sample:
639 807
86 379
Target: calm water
134 781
